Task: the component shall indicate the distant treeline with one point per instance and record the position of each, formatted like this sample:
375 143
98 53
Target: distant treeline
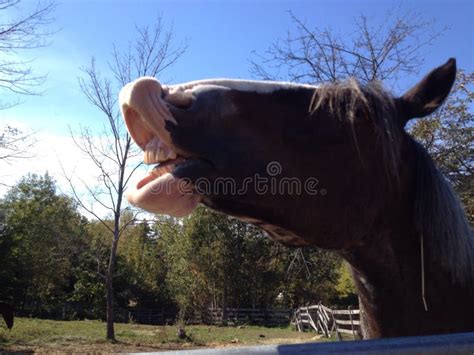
53 260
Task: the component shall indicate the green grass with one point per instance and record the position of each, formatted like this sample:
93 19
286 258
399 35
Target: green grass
89 336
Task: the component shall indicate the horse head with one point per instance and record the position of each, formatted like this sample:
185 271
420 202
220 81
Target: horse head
311 165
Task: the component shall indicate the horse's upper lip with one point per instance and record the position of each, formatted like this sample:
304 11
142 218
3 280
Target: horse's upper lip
144 104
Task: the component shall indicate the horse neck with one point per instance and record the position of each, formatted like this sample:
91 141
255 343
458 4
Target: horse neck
387 270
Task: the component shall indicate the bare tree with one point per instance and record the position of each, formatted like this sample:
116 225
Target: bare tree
14 144
112 151
368 53
21 33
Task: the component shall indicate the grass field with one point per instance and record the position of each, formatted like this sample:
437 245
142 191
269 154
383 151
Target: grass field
38 335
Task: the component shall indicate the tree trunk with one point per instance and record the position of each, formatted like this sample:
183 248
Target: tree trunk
224 306
113 252
110 289
110 306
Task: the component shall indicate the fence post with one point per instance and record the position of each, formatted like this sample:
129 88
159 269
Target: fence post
339 336
224 315
319 317
298 319
323 322
352 322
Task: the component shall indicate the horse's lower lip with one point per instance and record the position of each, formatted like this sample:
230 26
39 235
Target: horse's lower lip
160 191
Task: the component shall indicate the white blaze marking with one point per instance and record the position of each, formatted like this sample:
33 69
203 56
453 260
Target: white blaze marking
257 86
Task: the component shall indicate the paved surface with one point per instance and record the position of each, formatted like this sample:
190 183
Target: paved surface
436 344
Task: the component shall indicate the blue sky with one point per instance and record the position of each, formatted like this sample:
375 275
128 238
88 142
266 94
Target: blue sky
221 37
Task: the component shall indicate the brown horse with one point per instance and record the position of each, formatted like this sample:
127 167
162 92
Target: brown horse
7 312
330 166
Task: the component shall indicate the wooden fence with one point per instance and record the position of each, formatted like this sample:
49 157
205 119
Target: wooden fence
347 322
318 318
326 321
154 316
235 316
215 316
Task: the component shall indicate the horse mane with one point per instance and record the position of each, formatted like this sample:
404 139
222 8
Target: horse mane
438 213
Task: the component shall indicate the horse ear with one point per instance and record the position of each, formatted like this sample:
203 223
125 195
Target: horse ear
425 97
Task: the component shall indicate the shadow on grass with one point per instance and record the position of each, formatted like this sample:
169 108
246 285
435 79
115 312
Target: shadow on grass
189 343
5 347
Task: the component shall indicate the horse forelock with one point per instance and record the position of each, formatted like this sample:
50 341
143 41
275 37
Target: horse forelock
351 101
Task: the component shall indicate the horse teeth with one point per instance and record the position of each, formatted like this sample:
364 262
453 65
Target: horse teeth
171 155
160 155
149 157
156 151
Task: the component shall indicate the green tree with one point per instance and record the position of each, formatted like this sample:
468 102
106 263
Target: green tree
214 260
183 281
204 258
88 272
41 237
309 275
146 266
345 287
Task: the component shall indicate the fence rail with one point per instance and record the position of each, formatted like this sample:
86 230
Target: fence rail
327 321
215 316
232 316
